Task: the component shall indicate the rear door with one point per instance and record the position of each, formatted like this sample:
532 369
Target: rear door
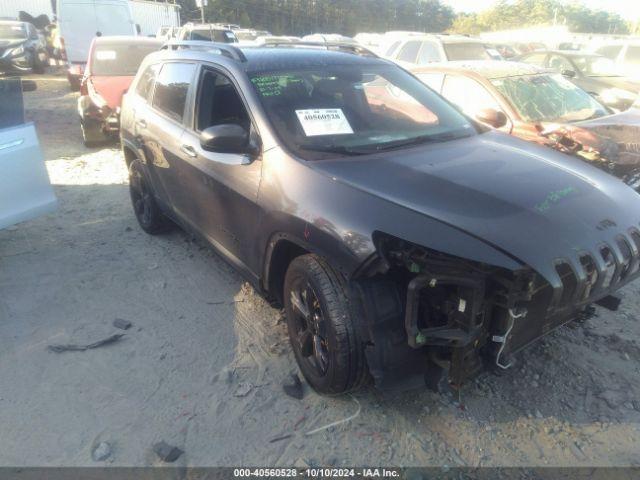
161 128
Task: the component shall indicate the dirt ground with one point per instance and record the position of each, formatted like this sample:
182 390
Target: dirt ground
202 366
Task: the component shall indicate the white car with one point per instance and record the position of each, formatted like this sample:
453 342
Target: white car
25 190
412 49
626 54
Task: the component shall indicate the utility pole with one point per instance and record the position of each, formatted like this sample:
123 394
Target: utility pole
201 4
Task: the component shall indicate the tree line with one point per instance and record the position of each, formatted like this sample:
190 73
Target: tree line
301 17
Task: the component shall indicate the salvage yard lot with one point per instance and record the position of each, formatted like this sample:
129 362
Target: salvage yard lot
203 364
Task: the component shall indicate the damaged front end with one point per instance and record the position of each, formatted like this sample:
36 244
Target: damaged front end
445 319
613 148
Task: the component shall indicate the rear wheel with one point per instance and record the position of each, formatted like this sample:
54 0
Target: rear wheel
323 335
148 213
92 134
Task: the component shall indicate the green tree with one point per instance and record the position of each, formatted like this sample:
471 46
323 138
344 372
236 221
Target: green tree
524 13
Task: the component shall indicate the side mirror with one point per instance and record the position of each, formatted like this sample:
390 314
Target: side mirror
568 73
226 138
491 117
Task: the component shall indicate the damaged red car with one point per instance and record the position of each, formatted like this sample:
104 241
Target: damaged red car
111 67
546 108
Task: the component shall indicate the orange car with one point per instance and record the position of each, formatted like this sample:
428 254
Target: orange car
542 107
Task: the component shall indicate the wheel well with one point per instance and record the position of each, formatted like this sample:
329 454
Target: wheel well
281 256
129 156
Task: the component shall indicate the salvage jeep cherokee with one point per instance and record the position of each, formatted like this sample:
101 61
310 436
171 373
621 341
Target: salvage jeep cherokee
404 240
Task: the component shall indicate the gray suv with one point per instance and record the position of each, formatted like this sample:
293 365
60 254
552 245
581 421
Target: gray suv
403 240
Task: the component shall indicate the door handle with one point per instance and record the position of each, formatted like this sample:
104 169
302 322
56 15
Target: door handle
142 123
189 150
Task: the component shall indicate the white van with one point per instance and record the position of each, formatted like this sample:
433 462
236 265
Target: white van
79 21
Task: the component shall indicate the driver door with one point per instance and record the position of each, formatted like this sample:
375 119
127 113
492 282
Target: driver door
223 186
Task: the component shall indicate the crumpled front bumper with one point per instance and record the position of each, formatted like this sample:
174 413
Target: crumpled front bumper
15 64
90 112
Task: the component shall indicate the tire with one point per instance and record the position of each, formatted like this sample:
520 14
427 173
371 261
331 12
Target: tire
74 83
92 135
324 339
38 66
146 209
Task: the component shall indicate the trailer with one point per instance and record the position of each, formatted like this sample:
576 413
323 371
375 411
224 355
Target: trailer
11 9
151 16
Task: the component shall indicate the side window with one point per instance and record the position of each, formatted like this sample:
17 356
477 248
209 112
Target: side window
172 86
219 102
610 51
536 59
147 79
432 80
33 33
429 53
559 64
468 94
392 48
633 54
409 51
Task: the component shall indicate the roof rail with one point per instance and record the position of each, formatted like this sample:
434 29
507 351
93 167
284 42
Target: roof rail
349 47
224 49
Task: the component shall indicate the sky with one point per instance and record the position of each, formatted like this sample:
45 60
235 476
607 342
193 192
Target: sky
627 9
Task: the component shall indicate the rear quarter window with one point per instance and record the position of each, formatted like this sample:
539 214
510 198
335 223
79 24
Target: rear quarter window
409 51
633 54
172 87
466 51
146 81
392 48
610 51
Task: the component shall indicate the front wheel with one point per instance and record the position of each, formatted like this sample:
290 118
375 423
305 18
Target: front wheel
321 328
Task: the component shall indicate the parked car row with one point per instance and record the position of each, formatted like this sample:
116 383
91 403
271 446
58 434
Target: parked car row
596 74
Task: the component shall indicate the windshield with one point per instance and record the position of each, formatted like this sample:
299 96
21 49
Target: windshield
548 98
119 60
213 35
12 32
354 110
246 36
466 51
596 66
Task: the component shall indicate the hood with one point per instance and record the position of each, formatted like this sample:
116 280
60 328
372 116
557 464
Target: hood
111 88
533 203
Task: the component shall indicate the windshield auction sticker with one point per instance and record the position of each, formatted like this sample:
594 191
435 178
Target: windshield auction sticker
324 121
